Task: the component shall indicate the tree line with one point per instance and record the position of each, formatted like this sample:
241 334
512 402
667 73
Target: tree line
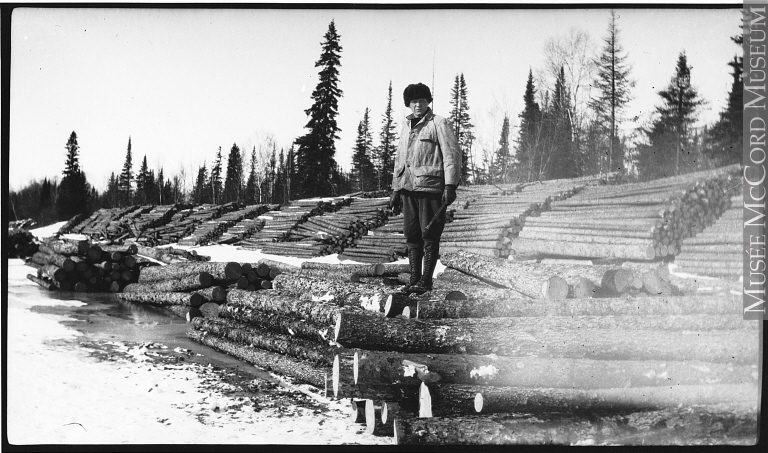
570 126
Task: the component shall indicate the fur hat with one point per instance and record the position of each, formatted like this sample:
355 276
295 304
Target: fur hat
416 91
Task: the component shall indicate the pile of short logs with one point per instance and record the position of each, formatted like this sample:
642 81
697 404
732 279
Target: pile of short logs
487 222
376 248
178 226
69 265
484 363
211 230
21 243
191 289
278 224
102 223
639 221
718 250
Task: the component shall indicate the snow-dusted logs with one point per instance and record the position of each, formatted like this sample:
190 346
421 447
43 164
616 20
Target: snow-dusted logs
219 271
278 265
68 248
276 322
663 427
163 298
307 350
190 282
523 246
274 301
370 297
47 284
459 399
127 249
363 270
609 338
279 363
380 367
529 279
518 305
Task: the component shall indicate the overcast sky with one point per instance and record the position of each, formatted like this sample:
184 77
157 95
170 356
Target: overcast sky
182 83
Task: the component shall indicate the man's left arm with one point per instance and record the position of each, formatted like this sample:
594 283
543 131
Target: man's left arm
451 153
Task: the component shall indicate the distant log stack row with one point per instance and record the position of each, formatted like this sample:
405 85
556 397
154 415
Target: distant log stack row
103 223
83 267
213 229
70 224
718 250
639 221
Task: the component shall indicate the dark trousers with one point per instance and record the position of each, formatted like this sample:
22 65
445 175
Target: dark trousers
418 210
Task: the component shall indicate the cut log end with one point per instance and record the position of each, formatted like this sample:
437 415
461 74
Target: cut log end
370 416
425 401
355 364
479 402
335 376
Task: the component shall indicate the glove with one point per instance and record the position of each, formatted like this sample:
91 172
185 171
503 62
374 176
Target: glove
395 202
449 195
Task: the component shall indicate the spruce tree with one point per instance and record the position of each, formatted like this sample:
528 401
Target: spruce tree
215 185
725 140
670 137
387 145
462 126
613 86
527 155
141 183
233 182
500 170
125 181
562 157
251 184
363 175
290 174
315 161
74 190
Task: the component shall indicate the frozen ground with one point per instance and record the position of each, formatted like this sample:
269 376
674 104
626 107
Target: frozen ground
69 387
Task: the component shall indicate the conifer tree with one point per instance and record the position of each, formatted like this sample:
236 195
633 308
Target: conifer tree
613 86
251 184
233 182
725 139
215 185
125 181
74 190
315 161
670 136
527 155
290 174
562 157
199 192
500 170
141 183
363 173
462 126
387 145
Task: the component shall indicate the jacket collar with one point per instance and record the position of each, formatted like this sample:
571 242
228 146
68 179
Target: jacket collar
427 116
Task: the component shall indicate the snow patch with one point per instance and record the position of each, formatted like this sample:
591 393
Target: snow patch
372 303
47 231
484 371
324 298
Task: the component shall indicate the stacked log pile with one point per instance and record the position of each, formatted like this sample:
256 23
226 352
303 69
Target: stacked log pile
208 224
70 224
487 221
84 267
394 225
717 251
169 255
104 222
210 230
178 226
191 289
21 243
157 216
639 221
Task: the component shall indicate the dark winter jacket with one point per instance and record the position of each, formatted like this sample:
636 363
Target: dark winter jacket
428 155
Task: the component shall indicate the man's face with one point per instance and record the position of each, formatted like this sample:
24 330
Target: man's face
419 107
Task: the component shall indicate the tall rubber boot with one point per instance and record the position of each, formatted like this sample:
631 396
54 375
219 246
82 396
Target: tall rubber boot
415 258
430 261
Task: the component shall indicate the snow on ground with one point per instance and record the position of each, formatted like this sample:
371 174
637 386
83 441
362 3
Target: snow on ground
60 392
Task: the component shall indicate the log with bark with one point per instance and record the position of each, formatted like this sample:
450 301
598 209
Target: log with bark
675 426
459 399
219 271
212 294
278 323
190 282
363 270
590 337
43 283
383 367
369 297
163 298
300 370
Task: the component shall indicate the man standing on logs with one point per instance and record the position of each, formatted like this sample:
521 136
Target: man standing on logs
427 171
